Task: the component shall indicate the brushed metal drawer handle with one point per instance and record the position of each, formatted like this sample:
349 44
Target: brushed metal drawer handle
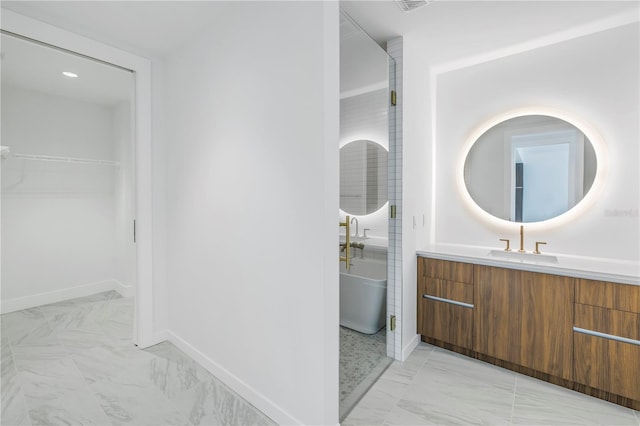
606 336
452 302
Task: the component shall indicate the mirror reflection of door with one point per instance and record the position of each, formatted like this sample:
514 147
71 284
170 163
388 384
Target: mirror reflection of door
558 168
519 190
546 177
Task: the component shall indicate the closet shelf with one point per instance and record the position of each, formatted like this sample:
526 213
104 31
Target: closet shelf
73 160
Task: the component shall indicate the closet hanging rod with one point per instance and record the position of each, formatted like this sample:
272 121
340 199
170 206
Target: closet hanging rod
73 160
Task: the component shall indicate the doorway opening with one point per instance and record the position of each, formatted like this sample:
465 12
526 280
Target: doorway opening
367 77
546 179
68 182
17 25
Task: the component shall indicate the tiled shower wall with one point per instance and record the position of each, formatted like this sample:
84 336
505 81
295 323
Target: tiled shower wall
365 116
363 184
394 259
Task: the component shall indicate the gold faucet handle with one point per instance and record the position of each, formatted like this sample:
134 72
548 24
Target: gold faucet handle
508 248
537 250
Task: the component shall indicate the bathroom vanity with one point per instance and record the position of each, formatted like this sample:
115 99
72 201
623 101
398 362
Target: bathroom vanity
557 322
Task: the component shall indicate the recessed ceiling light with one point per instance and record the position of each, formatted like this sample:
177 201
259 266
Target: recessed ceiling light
70 74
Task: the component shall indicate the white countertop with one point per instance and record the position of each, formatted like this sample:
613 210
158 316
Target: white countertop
618 271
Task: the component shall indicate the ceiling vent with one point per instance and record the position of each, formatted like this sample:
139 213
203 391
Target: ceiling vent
410 5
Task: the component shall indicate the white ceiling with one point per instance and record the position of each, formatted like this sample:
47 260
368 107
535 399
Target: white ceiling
39 68
148 28
448 30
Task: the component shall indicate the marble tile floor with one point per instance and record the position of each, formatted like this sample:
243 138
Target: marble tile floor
363 358
73 363
437 387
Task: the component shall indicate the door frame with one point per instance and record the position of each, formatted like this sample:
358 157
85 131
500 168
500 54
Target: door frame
543 136
24 26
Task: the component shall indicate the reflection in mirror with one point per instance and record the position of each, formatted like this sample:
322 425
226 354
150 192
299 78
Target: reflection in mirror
366 79
530 168
363 177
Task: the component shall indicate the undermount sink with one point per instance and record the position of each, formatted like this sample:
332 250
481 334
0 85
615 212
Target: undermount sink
523 257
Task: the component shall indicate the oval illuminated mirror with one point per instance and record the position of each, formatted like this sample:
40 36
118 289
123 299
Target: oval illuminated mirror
530 168
363 177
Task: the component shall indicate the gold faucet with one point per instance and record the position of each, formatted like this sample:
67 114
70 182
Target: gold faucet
522 250
347 245
537 250
508 248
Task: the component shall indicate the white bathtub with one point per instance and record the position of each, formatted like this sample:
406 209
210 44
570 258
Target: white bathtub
363 295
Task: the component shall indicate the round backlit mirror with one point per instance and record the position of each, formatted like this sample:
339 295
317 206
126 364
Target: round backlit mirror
363 177
530 168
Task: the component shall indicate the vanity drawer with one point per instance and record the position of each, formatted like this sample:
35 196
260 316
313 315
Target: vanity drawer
446 322
447 270
607 365
608 321
448 290
607 350
622 297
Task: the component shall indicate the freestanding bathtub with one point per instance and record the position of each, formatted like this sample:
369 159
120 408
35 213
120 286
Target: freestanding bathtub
363 295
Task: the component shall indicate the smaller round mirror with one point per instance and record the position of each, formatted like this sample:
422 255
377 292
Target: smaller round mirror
363 177
530 168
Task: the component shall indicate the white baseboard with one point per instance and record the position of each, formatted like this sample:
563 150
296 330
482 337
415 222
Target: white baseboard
158 337
409 347
124 290
161 336
257 399
26 302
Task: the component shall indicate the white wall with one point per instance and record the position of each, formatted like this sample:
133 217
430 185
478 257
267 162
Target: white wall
57 219
594 78
416 173
250 132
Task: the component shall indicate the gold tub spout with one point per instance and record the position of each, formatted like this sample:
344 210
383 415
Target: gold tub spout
522 250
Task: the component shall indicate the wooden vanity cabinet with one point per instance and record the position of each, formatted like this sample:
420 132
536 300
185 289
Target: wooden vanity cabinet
578 333
445 301
525 318
607 337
